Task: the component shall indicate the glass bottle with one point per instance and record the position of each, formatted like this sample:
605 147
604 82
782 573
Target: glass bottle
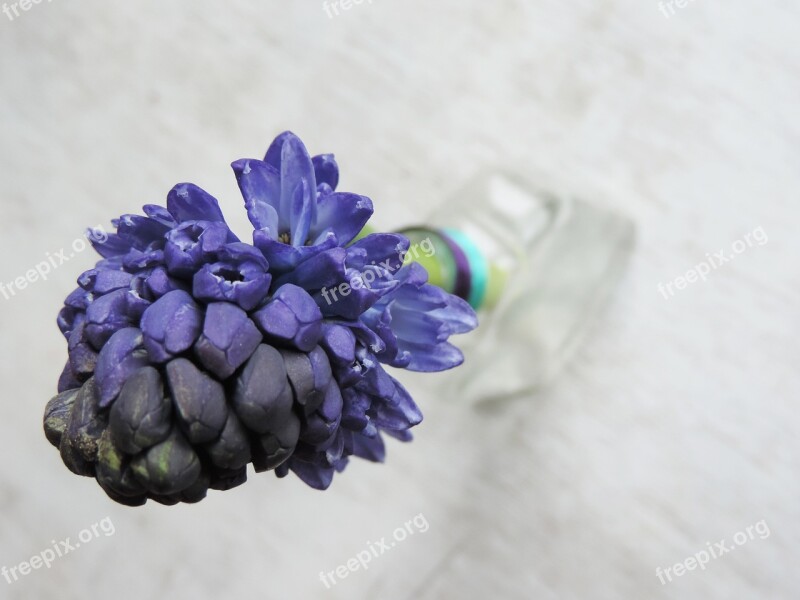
541 265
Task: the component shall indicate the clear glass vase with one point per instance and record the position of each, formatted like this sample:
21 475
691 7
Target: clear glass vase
554 261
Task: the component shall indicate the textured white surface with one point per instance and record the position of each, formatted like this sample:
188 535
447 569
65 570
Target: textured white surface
676 425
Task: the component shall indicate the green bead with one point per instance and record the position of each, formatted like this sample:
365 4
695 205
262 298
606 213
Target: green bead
430 251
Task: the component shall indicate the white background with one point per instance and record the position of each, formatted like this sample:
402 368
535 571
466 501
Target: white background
675 426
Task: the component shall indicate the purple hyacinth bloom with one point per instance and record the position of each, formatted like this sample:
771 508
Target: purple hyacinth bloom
293 221
241 277
190 245
416 320
193 354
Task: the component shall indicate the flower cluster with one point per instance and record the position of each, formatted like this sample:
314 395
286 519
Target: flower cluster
193 354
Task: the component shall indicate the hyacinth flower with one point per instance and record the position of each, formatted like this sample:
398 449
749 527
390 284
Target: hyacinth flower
193 354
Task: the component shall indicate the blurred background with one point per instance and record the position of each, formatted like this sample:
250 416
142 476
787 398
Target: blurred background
674 427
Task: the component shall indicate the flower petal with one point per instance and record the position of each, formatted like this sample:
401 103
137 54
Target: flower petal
429 359
326 170
144 232
245 284
316 476
109 245
325 269
260 184
342 214
301 212
188 202
160 214
283 257
289 157
459 316
371 449
382 250
275 150
192 244
399 412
